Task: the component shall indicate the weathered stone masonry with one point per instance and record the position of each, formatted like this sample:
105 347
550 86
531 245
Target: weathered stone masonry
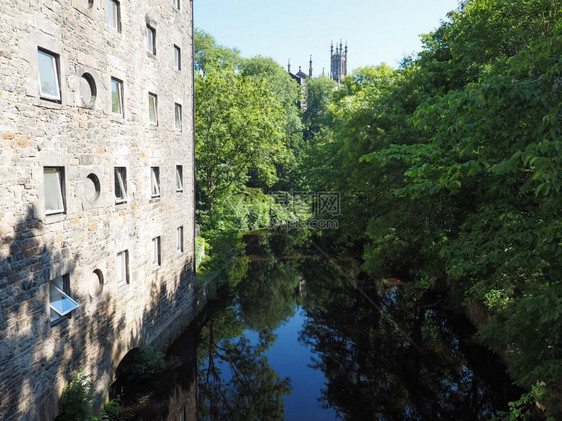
85 140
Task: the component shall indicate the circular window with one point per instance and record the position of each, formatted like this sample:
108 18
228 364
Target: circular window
88 90
92 188
95 283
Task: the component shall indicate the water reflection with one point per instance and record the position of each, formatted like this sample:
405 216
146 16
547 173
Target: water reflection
404 363
383 356
169 395
350 347
235 378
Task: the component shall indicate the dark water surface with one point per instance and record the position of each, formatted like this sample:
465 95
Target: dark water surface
304 335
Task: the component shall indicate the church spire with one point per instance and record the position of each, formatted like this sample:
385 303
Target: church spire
310 67
338 61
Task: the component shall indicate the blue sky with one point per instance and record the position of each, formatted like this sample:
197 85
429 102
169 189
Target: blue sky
375 30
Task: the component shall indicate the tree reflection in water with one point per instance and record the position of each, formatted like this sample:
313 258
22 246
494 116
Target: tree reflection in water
387 357
383 357
235 379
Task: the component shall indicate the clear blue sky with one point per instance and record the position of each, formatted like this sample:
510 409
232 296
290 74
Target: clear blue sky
375 30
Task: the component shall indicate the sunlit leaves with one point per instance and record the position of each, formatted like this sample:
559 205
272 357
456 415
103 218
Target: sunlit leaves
239 128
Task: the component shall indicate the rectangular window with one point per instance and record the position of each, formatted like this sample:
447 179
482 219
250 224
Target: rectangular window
49 86
177 117
53 178
116 96
150 39
114 14
156 251
176 4
59 298
180 239
179 178
177 57
122 268
155 181
153 108
120 184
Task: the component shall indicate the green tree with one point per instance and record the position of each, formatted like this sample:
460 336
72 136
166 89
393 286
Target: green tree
238 129
319 92
287 93
207 54
449 169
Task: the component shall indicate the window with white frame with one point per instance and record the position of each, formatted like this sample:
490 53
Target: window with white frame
179 178
49 80
153 108
150 39
177 57
59 298
116 96
176 4
114 14
156 251
53 179
120 184
177 117
122 268
155 181
180 239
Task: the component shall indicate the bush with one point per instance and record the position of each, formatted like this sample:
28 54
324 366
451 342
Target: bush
77 398
111 409
148 361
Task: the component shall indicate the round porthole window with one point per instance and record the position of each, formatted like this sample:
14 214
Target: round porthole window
88 90
92 188
95 283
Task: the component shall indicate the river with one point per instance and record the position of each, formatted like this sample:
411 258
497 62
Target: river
306 335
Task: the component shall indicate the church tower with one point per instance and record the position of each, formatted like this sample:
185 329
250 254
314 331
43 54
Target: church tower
338 62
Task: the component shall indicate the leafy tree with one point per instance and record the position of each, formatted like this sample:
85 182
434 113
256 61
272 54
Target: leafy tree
207 53
449 169
287 93
238 128
318 98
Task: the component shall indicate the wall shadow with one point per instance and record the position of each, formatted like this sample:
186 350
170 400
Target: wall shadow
37 359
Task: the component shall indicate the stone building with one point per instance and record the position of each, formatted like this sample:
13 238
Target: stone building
300 77
338 62
96 191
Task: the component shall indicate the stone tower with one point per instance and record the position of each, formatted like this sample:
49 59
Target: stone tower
338 62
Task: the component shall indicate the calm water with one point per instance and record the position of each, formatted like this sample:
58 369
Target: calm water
304 335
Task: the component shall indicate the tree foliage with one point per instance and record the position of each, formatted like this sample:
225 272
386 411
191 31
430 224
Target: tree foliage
238 128
208 54
450 171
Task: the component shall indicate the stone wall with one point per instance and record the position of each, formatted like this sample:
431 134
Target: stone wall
83 137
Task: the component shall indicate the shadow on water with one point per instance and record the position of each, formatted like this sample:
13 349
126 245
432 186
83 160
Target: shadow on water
167 395
379 353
